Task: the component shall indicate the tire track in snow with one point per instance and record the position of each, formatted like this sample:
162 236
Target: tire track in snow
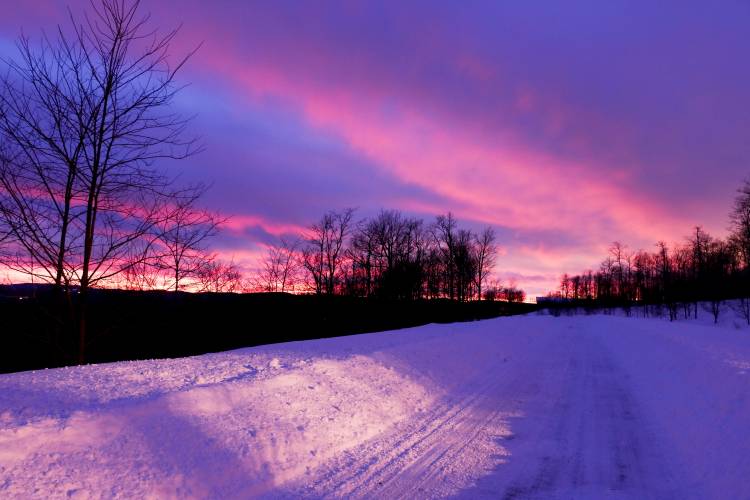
436 455
599 444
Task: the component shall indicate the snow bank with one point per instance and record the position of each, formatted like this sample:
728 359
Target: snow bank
139 436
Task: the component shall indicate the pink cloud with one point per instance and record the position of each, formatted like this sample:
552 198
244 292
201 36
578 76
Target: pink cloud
239 223
499 184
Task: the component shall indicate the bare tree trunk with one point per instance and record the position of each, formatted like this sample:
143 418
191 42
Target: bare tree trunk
82 321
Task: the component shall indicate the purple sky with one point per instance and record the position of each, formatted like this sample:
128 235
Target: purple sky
565 125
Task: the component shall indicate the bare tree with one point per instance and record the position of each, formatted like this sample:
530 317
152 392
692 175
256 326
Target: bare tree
465 264
444 234
363 256
565 286
387 255
494 290
267 277
280 267
85 116
324 250
141 274
182 238
486 255
219 277
392 256
617 251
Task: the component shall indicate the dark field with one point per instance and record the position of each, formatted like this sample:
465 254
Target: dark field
126 325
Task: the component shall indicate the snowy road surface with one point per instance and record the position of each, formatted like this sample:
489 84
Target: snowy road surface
522 407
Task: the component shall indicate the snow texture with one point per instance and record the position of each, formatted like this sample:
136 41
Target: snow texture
521 407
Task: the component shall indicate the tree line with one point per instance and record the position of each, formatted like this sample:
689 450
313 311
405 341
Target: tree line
701 269
390 256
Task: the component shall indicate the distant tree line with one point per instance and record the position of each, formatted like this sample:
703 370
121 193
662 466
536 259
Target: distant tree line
389 256
676 278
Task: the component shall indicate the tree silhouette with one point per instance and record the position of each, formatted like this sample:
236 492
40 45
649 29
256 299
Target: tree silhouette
83 117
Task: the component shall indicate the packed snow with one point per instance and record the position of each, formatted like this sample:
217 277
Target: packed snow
522 407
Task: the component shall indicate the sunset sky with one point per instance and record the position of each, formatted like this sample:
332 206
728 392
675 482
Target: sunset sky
564 125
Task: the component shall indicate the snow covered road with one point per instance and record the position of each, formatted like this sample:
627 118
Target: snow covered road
521 407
